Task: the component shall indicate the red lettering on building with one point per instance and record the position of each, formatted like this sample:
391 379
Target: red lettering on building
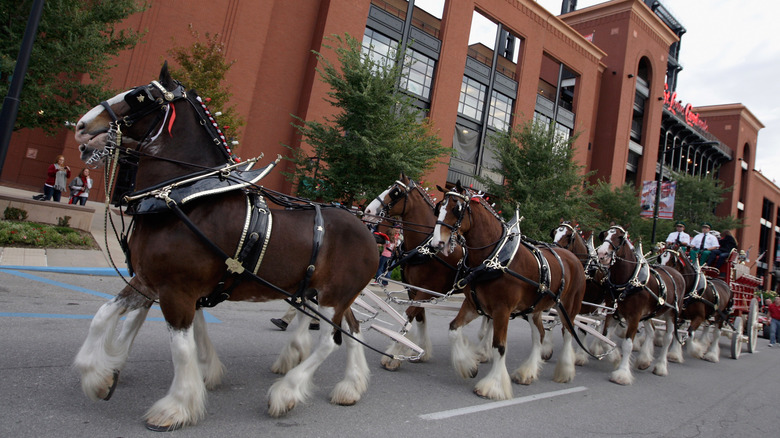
676 106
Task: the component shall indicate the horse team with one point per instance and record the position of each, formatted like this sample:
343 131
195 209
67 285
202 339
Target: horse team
459 245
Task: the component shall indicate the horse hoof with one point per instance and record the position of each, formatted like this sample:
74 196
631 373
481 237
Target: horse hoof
391 364
113 386
158 428
473 373
643 366
547 356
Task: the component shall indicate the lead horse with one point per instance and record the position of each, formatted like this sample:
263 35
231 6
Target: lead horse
639 293
509 277
174 137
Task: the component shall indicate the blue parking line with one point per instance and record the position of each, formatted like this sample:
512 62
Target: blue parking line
102 272
207 316
61 316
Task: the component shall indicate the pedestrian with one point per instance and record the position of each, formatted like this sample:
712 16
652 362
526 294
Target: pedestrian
678 238
387 253
56 180
774 326
79 188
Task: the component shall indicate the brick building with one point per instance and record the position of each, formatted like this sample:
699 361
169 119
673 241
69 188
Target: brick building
607 72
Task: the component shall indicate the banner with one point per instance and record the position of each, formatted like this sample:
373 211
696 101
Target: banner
665 201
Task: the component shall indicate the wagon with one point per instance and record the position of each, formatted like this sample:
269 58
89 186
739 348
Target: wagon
743 318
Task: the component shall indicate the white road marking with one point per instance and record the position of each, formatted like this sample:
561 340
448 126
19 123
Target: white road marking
499 404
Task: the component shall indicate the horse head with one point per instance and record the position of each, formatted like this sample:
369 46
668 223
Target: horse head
149 121
391 202
453 216
565 234
615 243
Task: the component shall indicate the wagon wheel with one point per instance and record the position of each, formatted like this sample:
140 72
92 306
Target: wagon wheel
736 338
752 326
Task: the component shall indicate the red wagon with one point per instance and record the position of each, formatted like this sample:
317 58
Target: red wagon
744 312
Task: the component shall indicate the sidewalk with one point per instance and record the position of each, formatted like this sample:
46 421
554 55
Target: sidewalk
68 260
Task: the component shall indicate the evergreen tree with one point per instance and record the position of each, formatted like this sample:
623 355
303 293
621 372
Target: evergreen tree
375 134
203 66
68 70
540 178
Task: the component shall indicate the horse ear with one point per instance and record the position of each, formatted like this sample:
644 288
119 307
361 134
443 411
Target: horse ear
438 187
165 77
458 187
602 235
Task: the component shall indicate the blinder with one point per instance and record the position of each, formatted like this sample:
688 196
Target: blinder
139 98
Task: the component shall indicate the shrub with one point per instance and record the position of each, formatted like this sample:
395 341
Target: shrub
14 214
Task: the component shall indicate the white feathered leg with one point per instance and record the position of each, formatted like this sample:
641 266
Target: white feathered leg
529 370
484 349
101 357
295 387
297 349
622 375
185 403
210 366
675 350
661 364
464 360
645 358
547 346
564 370
356 376
695 348
496 385
713 353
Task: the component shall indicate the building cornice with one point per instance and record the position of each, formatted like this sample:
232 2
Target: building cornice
642 15
730 109
559 28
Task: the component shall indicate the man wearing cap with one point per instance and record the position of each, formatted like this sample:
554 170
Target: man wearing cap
678 237
705 241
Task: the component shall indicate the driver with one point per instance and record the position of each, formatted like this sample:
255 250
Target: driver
678 238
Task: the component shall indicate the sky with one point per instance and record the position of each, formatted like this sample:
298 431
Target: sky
729 54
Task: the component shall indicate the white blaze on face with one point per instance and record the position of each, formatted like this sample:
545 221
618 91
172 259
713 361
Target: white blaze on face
375 207
559 233
437 240
85 134
665 258
604 251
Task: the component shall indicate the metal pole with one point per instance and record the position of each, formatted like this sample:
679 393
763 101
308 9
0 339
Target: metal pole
11 101
658 193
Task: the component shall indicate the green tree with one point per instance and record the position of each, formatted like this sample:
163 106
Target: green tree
540 177
376 134
70 59
620 206
695 203
202 66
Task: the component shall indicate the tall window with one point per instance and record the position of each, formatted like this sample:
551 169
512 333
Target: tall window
418 76
472 98
381 49
487 97
555 97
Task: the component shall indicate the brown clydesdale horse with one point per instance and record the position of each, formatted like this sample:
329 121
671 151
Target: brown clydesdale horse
519 287
422 265
568 235
705 298
171 134
641 293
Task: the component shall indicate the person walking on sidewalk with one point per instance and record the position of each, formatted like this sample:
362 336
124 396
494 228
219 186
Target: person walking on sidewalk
56 180
79 188
774 327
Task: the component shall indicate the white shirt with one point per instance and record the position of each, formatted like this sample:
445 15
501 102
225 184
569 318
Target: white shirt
684 237
710 242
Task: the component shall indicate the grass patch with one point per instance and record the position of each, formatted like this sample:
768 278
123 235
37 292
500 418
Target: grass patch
36 235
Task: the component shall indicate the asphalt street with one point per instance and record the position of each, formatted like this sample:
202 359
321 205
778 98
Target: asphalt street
44 318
